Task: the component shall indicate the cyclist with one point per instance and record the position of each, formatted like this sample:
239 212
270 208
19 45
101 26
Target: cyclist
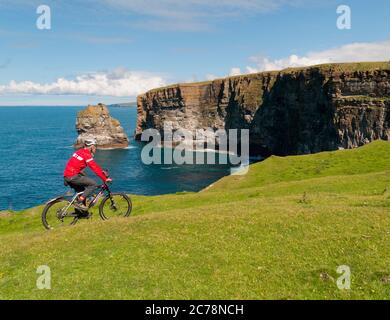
75 177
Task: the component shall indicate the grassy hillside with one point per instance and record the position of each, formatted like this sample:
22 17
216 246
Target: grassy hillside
278 232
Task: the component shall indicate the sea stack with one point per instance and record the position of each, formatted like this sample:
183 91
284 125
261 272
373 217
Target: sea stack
95 122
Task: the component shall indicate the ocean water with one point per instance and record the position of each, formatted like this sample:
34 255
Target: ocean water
36 143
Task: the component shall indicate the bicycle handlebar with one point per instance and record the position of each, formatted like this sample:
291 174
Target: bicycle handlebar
105 184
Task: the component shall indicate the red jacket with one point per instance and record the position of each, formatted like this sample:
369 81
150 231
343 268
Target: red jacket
79 161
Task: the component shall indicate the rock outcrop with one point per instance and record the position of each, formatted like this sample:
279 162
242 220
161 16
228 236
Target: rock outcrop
96 122
293 111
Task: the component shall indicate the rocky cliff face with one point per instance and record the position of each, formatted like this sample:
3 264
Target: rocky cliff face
96 122
294 111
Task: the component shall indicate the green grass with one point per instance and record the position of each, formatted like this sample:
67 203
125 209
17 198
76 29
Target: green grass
273 233
347 67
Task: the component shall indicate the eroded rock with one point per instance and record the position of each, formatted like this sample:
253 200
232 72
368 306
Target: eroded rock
96 122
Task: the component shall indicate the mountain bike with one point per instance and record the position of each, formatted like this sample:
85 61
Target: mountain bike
60 211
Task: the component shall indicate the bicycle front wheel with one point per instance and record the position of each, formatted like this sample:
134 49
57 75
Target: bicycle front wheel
115 205
58 213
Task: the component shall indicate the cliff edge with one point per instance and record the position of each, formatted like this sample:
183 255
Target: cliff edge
292 111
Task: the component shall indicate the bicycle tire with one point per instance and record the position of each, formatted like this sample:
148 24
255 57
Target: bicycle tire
45 211
126 199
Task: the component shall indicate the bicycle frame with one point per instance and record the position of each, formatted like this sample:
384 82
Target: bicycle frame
103 188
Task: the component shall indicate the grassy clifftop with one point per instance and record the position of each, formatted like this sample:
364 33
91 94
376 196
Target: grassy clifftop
278 232
347 67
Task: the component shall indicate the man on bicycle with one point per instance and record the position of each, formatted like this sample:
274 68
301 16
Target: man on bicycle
76 178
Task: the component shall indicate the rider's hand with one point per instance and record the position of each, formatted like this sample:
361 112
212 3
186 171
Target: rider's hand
108 180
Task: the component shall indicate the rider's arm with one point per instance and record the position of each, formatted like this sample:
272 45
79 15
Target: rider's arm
95 168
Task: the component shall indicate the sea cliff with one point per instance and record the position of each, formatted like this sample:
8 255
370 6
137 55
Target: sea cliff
293 111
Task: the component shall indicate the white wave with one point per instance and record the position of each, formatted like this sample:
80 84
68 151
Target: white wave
126 148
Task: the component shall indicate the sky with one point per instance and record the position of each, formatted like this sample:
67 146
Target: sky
112 50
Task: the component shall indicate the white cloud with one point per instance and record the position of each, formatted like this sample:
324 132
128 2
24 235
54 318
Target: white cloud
187 25
196 15
117 83
210 77
187 8
354 52
104 40
235 72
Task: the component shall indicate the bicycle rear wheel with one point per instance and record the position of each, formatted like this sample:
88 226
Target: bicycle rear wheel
115 205
58 214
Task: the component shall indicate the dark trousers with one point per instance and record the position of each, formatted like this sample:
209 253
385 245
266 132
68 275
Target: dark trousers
82 183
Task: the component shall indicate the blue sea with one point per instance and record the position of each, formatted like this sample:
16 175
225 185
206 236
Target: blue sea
36 143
